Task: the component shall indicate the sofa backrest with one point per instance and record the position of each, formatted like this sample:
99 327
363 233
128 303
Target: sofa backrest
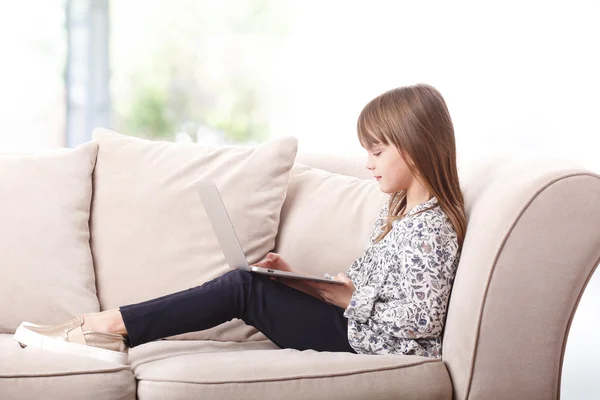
532 244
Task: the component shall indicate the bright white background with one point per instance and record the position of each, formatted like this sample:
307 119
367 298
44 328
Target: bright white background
518 76
33 50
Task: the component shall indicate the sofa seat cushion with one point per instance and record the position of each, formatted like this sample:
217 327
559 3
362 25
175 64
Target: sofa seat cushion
259 370
37 374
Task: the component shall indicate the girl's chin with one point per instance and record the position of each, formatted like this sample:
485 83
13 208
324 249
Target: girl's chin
387 190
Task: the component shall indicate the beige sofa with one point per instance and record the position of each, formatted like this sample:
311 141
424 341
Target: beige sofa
532 243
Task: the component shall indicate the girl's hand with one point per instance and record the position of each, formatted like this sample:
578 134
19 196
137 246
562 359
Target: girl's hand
274 261
331 293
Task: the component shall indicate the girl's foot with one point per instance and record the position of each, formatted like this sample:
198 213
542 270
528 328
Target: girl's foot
70 338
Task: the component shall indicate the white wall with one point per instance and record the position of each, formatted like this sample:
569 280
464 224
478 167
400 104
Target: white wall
517 75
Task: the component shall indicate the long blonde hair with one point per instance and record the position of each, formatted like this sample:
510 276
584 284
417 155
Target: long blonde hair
415 119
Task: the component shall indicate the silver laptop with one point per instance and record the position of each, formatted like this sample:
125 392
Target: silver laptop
230 244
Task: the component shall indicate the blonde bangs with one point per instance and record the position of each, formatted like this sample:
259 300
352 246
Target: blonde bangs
369 128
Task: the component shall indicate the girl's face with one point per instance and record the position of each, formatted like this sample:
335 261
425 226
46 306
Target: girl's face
388 166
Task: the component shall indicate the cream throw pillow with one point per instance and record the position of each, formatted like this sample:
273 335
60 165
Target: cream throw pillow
326 219
150 233
45 261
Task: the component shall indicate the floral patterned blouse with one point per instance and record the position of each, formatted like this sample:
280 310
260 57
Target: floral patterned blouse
403 284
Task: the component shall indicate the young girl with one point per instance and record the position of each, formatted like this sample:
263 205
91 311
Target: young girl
394 297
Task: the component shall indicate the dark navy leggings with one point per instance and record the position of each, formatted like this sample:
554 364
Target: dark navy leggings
288 317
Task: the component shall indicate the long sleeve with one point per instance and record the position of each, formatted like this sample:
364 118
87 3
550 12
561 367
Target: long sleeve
364 296
428 272
420 271
403 284
363 299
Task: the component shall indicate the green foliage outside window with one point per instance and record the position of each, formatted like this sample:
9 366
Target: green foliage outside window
196 63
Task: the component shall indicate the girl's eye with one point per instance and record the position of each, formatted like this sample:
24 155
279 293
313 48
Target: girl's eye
376 154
